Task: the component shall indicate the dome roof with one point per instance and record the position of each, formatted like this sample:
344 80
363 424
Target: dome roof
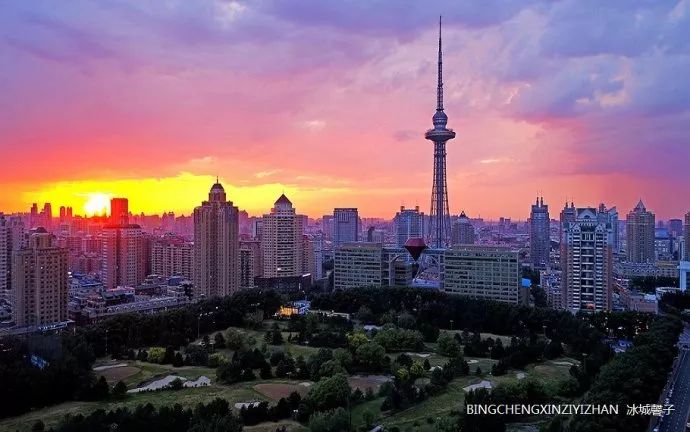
217 187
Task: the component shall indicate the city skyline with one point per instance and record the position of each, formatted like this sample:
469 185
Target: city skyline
537 109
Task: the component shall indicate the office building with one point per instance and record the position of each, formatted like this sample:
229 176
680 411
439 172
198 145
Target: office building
675 226
281 240
409 223
216 246
345 226
539 234
586 262
119 211
483 272
39 281
639 227
462 231
358 265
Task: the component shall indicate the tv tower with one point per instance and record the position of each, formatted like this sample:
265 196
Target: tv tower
439 228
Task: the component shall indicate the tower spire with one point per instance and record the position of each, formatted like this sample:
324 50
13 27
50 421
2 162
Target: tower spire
439 89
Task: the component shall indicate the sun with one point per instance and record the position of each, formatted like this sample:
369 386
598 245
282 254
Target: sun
97 204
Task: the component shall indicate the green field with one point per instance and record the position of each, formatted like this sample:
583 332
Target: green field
420 417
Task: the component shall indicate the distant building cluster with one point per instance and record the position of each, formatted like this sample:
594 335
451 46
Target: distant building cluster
65 268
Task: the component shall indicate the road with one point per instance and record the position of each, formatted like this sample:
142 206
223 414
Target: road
680 399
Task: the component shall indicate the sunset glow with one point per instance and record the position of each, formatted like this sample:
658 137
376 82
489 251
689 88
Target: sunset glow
153 100
97 204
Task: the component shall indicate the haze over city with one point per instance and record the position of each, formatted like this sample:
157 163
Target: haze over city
329 101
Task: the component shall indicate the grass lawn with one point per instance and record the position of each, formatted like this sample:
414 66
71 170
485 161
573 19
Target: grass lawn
292 426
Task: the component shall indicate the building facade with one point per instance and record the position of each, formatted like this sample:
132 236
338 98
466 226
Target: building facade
172 255
216 246
483 272
119 211
345 226
39 281
462 231
358 265
639 227
539 234
409 223
686 236
586 262
124 255
281 240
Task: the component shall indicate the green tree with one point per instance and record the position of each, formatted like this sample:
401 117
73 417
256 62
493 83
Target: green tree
219 341
448 345
156 355
371 354
119 390
329 393
336 420
176 384
235 340
330 368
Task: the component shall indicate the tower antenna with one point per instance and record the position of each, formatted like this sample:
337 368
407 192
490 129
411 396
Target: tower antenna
439 88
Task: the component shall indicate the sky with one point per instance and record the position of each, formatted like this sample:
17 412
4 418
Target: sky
578 100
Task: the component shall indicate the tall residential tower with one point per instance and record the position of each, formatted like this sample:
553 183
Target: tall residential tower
539 234
216 245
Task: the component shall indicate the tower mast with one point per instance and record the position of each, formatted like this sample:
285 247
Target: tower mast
439 228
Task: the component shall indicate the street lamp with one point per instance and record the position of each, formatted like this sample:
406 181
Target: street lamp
451 325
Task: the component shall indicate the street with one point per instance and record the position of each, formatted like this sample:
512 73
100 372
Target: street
680 398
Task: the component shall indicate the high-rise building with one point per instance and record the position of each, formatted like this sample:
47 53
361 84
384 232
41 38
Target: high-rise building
308 257
119 211
462 231
5 256
611 215
586 261
281 240
568 215
409 223
675 226
345 226
358 265
663 244
124 255
172 255
640 234
483 272
322 253
46 217
539 234
686 236
216 245
327 226
439 226
250 263
39 281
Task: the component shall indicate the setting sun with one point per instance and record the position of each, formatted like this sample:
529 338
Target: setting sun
97 204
